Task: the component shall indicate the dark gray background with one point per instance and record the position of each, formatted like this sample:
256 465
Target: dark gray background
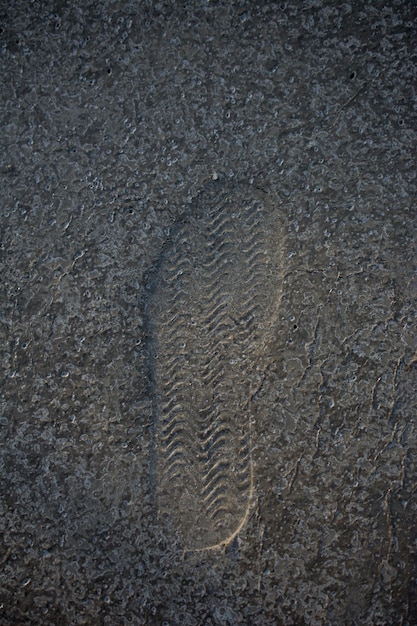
114 116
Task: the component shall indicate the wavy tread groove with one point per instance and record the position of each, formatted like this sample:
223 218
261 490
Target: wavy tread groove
210 313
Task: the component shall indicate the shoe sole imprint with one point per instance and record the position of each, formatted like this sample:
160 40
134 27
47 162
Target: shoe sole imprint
213 301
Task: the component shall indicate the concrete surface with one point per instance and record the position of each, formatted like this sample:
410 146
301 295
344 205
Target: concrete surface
114 116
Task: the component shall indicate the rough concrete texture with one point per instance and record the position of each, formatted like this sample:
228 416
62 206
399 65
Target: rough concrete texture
114 116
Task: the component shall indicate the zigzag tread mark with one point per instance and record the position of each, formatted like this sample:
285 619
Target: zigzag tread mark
219 442
220 484
172 428
218 510
209 304
172 405
173 372
215 289
211 370
176 453
172 473
211 379
218 492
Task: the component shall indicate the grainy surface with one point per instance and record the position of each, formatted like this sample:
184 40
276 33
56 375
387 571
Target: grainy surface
114 116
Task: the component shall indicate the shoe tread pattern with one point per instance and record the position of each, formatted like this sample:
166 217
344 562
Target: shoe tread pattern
211 309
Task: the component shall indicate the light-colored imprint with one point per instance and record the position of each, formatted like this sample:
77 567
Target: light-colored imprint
214 299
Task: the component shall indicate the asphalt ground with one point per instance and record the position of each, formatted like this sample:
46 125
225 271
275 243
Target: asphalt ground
116 117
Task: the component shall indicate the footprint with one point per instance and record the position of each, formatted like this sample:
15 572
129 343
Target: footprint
210 312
